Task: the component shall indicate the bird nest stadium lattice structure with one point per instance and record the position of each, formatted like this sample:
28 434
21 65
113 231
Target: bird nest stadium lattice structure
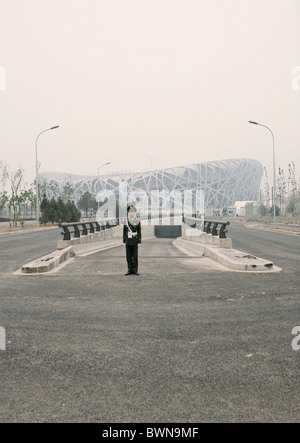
223 182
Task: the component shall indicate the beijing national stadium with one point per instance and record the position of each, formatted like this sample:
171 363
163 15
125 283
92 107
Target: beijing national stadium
223 182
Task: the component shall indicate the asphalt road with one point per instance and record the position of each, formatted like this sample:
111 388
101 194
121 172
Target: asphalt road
280 247
21 247
186 342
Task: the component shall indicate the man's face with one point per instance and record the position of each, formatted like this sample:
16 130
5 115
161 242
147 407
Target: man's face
131 214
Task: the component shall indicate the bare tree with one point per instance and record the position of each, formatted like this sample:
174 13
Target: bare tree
281 188
293 197
267 187
15 181
292 178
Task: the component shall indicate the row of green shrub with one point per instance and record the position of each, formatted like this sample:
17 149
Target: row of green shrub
56 211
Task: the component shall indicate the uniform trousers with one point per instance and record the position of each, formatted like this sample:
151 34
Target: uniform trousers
132 257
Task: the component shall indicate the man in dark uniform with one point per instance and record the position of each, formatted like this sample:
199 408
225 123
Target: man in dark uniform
132 236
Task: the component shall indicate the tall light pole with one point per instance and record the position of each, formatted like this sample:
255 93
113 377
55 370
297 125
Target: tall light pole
274 171
108 163
37 177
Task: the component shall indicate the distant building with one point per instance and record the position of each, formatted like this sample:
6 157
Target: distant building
223 182
240 207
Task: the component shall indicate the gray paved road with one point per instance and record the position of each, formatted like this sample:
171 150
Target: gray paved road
22 247
282 248
184 342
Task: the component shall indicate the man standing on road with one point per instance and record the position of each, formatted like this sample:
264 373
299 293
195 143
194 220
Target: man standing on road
132 236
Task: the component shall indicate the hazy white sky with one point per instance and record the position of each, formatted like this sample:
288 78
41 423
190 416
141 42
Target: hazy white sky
177 80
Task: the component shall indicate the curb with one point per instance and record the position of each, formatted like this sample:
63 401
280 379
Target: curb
56 258
92 248
27 231
230 258
48 262
279 230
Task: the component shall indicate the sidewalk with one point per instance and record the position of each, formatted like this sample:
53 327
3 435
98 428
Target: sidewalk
281 227
5 229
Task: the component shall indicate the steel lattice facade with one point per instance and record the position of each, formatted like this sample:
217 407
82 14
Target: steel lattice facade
223 182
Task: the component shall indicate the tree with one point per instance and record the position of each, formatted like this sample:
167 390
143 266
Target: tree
292 179
56 211
16 181
293 197
263 210
267 187
53 211
72 213
45 208
61 211
26 196
277 210
293 205
31 198
68 192
281 188
87 203
3 200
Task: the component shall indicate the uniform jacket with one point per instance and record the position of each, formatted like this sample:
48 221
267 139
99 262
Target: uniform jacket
135 229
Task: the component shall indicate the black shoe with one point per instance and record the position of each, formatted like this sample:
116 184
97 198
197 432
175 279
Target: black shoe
129 273
136 273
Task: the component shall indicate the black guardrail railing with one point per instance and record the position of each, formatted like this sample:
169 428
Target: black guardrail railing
214 227
85 227
78 229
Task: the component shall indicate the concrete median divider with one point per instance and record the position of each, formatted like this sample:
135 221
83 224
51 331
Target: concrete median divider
48 262
81 247
221 251
92 243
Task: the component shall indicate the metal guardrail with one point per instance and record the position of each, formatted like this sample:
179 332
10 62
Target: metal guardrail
216 227
85 227
213 227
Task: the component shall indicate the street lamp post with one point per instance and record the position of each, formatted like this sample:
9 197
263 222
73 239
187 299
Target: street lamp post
37 176
274 171
105 164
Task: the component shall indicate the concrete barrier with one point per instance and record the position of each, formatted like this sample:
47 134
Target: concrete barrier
194 235
108 234
48 262
82 246
221 251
